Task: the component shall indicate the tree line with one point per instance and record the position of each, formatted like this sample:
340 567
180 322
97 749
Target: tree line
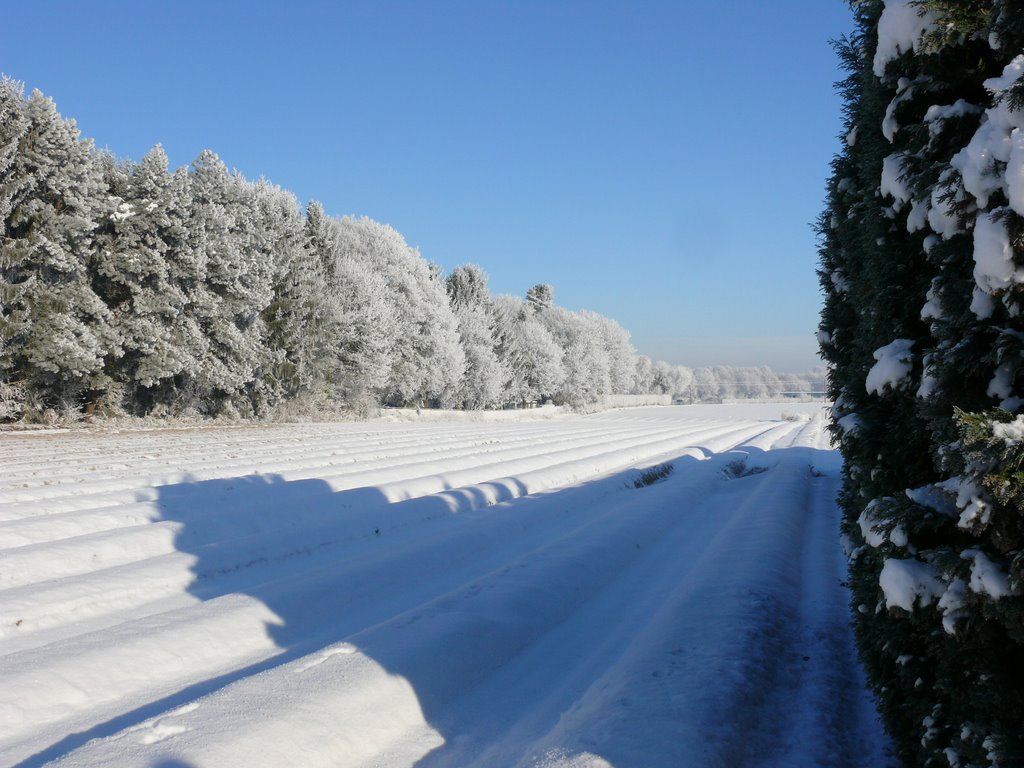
133 288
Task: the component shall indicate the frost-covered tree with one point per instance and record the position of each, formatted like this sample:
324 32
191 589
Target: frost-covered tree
540 297
530 357
56 331
922 268
663 378
197 291
293 318
482 381
643 376
237 285
467 286
14 126
360 332
426 360
614 340
322 308
705 386
142 274
585 360
683 382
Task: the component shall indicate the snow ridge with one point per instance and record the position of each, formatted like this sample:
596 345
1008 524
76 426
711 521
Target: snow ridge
429 594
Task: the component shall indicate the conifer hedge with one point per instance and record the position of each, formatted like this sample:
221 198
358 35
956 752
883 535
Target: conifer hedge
922 266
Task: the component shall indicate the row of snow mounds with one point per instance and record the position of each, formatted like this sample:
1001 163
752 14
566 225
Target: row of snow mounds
345 463
249 505
139 646
104 561
112 574
432 461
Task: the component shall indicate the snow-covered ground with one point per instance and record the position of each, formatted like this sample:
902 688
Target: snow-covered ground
431 594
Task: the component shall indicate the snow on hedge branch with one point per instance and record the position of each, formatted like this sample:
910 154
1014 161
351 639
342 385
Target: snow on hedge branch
900 29
906 583
893 363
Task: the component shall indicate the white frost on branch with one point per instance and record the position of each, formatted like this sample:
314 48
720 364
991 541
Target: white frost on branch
917 219
951 604
850 424
932 309
904 92
970 500
839 281
982 304
1001 385
122 212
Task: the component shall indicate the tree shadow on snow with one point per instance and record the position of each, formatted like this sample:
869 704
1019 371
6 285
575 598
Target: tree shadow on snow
247 535
307 553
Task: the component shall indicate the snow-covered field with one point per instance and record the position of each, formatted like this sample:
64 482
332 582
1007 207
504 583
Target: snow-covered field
431 594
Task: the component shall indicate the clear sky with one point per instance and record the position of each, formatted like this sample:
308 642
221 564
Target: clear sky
660 163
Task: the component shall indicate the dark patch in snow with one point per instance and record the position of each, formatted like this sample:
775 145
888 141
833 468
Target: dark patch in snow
734 470
653 475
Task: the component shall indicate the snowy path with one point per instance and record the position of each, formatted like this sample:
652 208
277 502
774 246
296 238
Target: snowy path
431 595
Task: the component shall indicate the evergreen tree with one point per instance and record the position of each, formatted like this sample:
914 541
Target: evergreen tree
138 271
55 329
293 318
326 350
14 126
237 285
540 297
920 247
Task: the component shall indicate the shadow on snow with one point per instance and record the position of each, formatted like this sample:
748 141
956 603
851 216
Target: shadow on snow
247 534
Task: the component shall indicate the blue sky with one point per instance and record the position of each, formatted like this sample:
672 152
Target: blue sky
659 163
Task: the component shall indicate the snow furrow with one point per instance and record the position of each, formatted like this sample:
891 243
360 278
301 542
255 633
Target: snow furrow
241 454
431 595
472 627
127 489
88 551
317 528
